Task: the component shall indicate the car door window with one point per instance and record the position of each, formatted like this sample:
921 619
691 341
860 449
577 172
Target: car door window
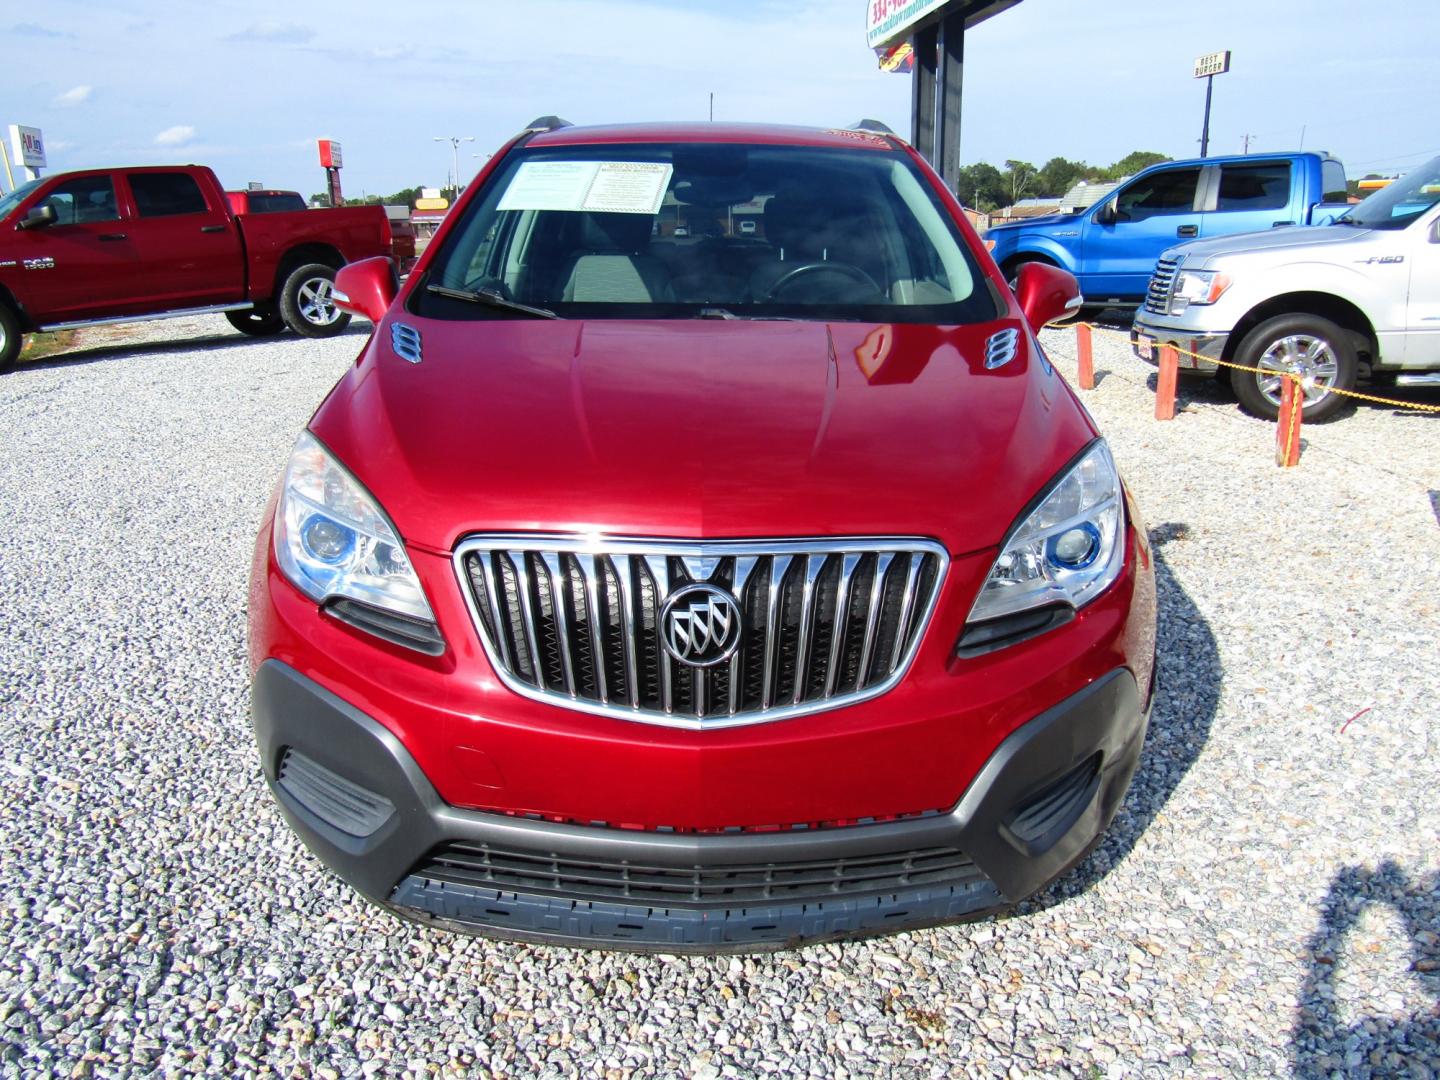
1262 186
1169 192
166 194
83 200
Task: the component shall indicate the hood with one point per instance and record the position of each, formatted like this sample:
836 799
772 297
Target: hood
1041 221
701 428
1269 240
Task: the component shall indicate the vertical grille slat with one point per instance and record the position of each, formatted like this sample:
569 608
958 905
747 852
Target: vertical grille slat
794 626
842 619
872 617
590 566
518 567
779 566
555 585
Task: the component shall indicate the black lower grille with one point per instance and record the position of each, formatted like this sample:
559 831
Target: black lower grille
571 877
345 805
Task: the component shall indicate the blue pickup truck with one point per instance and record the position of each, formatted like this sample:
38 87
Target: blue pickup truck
1112 246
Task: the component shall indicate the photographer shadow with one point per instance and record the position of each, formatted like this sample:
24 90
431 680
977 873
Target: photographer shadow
1325 1044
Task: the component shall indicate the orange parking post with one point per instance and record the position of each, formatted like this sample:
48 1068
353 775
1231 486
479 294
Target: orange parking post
1287 429
1165 385
1085 358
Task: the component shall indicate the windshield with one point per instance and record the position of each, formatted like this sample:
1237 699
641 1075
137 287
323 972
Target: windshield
685 230
15 198
1397 205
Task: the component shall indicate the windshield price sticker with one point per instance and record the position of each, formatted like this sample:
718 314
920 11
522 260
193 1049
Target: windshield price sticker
614 187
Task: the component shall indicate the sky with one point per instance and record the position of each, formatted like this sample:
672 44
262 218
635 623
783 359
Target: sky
248 87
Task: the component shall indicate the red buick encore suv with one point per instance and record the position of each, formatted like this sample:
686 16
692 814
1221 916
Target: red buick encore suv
658 583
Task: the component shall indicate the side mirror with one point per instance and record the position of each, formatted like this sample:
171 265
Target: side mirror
38 217
1046 293
367 287
1106 214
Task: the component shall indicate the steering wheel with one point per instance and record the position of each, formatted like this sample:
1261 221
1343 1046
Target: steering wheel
854 273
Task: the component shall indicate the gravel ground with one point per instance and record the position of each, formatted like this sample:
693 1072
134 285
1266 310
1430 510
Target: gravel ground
1268 901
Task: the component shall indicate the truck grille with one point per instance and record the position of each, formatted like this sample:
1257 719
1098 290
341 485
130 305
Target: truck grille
1162 285
806 625
573 877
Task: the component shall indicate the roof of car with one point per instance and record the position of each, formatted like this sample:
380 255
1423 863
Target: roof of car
702 132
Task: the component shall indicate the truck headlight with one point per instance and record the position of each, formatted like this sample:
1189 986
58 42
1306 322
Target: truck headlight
1065 551
332 540
1200 286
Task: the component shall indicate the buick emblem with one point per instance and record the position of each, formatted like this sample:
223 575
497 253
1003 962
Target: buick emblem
700 625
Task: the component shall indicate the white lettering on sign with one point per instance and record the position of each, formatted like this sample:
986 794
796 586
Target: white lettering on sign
615 187
1217 63
888 19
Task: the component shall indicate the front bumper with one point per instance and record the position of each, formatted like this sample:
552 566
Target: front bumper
363 805
1199 351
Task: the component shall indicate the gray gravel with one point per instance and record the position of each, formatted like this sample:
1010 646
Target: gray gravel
1267 903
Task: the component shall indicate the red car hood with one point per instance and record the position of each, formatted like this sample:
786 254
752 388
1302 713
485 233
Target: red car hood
702 429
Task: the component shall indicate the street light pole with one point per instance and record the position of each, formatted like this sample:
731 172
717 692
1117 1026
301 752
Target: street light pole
455 141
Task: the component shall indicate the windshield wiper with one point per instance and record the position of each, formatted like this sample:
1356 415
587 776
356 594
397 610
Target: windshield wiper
491 298
726 313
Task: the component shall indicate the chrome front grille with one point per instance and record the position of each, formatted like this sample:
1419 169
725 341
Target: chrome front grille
821 624
1162 286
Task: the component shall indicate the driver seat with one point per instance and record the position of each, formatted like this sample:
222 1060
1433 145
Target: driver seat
802 229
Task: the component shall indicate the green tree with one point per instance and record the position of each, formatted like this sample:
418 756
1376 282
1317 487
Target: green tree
1059 175
1133 162
981 187
320 198
1019 179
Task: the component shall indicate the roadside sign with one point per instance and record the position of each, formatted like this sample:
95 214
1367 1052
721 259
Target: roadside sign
1215 63
430 193
255 185
887 20
329 154
28 149
431 204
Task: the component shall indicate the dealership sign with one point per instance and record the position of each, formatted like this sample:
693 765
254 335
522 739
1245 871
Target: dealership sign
329 154
27 147
1215 63
888 19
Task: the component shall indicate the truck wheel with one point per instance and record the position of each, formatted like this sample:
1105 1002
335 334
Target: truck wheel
307 301
10 338
257 322
1306 345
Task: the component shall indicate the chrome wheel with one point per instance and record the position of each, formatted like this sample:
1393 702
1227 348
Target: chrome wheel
316 301
1311 359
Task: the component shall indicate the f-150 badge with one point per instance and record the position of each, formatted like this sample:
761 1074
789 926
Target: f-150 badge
1382 259
44 262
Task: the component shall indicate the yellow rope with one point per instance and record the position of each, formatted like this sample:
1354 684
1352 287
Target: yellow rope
1266 371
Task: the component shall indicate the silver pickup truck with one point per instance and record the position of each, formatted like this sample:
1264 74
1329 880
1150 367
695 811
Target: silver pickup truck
1359 297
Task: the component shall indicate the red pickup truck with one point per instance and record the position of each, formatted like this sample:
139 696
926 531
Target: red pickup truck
117 245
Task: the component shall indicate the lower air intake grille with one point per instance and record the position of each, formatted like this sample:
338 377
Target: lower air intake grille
777 628
329 796
510 870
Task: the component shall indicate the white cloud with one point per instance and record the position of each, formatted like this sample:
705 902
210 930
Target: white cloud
274 33
178 135
76 95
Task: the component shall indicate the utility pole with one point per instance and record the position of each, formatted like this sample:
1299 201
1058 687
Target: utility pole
712 106
455 141
1246 139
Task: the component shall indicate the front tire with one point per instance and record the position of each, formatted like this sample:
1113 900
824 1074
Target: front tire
10 338
257 322
1314 348
307 301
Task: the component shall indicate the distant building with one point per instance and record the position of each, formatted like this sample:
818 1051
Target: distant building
1086 194
1027 208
